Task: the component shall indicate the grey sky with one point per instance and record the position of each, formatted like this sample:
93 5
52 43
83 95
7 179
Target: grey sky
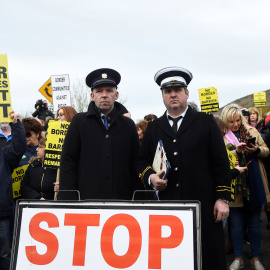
225 44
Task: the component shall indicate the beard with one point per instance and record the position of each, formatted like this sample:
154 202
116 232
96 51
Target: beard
4 126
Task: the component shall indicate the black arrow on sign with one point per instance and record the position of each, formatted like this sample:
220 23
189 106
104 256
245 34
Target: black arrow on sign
47 90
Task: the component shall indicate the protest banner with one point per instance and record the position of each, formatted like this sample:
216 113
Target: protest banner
17 176
46 90
107 235
259 99
55 136
5 98
232 160
60 91
209 99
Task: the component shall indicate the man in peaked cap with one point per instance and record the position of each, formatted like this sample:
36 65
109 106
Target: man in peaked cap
198 158
101 145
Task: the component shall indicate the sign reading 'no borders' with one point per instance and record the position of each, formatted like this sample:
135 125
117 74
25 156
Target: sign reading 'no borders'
107 235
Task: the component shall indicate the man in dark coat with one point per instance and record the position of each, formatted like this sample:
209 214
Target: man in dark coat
9 157
100 147
199 162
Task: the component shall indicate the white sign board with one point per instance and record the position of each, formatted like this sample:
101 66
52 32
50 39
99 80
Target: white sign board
60 91
106 235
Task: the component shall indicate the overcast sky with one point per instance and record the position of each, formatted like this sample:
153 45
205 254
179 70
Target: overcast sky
225 44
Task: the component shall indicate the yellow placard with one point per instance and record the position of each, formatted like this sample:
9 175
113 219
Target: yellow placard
55 136
208 99
5 99
46 90
17 177
259 97
232 160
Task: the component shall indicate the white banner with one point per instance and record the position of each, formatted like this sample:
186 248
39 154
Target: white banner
106 235
60 91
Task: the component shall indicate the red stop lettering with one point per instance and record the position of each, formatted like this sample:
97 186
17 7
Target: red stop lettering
135 236
81 222
156 242
43 236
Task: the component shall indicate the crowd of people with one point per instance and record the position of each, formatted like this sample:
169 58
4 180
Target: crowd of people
107 156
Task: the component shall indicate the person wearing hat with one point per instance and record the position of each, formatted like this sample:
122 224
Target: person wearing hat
199 162
101 144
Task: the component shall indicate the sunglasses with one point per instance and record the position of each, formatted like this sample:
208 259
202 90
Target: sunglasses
29 134
60 114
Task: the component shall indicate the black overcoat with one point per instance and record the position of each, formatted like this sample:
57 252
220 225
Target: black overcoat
199 171
100 163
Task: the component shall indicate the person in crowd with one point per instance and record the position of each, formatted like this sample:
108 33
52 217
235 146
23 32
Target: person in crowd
9 157
255 118
42 110
251 189
101 145
5 134
65 113
141 128
150 117
246 114
33 130
199 162
193 106
38 182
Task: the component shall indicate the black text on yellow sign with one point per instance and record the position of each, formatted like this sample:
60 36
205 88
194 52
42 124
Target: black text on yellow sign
46 90
259 97
17 177
209 99
232 160
56 133
5 99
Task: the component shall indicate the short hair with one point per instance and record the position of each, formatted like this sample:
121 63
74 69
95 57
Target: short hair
230 110
253 109
69 112
32 124
142 125
221 124
150 117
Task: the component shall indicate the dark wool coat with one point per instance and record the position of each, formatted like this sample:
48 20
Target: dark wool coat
38 182
97 162
199 171
9 157
42 114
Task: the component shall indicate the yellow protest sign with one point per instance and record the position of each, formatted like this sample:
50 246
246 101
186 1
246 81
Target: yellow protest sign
232 160
56 133
259 99
17 177
5 99
209 99
46 90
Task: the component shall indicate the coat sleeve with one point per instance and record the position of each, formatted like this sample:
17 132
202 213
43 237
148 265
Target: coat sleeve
26 190
35 113
70 157
219 162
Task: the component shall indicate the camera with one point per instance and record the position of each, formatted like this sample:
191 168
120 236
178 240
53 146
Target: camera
41 104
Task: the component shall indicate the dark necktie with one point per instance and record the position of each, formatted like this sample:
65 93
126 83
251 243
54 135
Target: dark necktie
175 121
105 119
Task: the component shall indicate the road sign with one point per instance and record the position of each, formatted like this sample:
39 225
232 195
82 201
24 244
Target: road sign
46 90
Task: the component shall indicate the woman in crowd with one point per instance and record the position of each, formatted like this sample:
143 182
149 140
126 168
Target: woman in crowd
38 182
141 128
255 118
33 130
65 113
251 189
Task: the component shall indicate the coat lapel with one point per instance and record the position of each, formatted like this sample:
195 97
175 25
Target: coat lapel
165 126
190 116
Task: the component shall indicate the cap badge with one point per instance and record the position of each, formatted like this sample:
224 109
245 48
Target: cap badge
173 79
104 76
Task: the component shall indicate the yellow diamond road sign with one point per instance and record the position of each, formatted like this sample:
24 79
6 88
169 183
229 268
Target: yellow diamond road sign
46 90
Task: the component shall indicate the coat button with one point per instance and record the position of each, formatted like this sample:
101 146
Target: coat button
175 153
177 185
174 140
176 168
107 136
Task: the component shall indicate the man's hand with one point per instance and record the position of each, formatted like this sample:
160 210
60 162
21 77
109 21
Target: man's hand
157 181
221 211
14 116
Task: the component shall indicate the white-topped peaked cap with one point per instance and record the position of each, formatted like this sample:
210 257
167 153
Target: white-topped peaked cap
173 76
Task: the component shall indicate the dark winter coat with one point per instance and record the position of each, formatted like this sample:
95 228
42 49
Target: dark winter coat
31 151
38 182
97 162
42 114
9 158
199 171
